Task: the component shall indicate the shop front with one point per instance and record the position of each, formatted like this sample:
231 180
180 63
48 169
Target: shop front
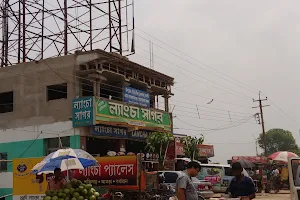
117 139
114 127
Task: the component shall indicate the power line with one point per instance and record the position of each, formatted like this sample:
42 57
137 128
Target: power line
252 89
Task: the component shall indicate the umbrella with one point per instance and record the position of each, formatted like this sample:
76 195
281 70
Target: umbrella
65 159
282 156
246 164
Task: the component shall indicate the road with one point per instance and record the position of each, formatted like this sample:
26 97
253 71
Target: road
281 196
284 195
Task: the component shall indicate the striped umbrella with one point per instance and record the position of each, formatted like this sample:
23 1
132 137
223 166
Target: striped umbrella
282 156
65 159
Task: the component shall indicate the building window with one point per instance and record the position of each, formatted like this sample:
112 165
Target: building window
3 163
52 144
6 102
87 88
57 91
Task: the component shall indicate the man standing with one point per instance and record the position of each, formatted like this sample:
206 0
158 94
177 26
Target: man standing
58 181
184 185
241 186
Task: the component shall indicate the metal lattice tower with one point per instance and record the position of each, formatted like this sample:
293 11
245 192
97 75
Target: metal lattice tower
38 29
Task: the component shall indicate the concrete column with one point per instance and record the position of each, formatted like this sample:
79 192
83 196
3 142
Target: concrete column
95 88
98 86
166 97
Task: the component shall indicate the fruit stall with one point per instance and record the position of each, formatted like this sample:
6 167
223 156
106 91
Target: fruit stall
117 172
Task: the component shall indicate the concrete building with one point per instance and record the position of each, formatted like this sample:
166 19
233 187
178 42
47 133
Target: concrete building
37 105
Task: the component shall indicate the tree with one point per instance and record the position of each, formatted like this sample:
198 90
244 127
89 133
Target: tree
158 143
190 146
278 140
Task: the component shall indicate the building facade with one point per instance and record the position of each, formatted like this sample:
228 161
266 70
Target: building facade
97 101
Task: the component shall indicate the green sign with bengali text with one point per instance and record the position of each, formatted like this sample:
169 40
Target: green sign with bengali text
119 112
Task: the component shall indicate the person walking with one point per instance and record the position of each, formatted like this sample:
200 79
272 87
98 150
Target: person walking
185 188
241 186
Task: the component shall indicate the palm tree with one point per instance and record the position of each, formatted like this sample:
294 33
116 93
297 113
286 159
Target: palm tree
190 146
158 143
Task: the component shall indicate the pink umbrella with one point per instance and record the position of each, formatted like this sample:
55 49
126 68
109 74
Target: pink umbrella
282 156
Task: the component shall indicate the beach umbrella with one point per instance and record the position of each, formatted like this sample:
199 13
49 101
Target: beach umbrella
282 156
65 159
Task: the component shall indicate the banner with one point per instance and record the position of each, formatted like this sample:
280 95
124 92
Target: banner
83 111
119 132
115 170
136 97
25 183
204 150
116 112
253 159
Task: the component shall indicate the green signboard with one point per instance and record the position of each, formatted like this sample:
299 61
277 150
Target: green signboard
117 112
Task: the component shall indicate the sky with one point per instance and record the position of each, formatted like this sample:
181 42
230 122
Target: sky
227 51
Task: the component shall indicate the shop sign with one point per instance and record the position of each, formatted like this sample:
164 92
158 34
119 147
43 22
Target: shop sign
136 97
25 184
83 111
116 170
204 150
119 132
139 134
113 112
253 159
110 131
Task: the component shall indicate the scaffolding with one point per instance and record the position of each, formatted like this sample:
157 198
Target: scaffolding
39 29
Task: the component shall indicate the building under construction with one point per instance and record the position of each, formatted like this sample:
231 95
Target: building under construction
64 74
93 100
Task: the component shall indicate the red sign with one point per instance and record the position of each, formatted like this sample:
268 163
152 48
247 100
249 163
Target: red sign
204 150
253 159
213 179
115 170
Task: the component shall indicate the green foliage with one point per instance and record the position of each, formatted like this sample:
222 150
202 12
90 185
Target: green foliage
158 143
190 146
278 140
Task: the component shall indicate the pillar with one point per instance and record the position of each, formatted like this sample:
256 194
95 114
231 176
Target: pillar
166 97
98 87
95 87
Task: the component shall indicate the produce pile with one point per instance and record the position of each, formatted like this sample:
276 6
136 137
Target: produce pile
73 190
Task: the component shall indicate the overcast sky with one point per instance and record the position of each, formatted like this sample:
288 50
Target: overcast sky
255 42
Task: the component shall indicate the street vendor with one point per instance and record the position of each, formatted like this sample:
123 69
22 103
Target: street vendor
241 186
57 182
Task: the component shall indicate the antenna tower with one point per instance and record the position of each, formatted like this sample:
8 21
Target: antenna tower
39 29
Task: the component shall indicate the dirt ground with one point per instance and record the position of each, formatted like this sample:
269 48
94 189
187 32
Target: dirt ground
284 196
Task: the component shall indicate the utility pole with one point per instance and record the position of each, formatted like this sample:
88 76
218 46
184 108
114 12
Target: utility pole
255 144
262 120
